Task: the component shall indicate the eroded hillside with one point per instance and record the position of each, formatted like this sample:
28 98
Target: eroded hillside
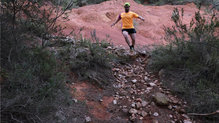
99 17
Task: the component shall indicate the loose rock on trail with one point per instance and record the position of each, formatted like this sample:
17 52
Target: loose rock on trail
136 96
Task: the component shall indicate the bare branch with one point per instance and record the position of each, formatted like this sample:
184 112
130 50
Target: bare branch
206 114
15 119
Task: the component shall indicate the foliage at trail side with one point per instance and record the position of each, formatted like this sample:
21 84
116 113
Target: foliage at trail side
32 86
192 59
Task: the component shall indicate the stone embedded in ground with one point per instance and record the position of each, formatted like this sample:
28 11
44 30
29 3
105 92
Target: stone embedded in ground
133 105
141 118
139 112
161 99
133 55
139 100
135 92
146 78
125 110
185 116
170 107
115 69
138 105
143 113
114 102
133 111
119 85
152 84
75 100
134 81
116 97
101 100
142 52
87 119
123 93
109 48
156 114
152 103
132 117
187 121
149 88
174 100
182 111
144 103
171 116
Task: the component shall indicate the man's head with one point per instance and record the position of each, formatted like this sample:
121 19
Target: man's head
127 6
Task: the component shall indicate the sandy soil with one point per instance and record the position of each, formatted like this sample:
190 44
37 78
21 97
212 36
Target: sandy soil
99 17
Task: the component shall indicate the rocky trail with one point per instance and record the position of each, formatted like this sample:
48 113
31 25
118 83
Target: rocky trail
136 96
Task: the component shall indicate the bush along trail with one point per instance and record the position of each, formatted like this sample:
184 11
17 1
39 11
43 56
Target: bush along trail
136 95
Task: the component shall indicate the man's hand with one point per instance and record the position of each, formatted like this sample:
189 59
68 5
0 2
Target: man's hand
112 24
118 19
141 18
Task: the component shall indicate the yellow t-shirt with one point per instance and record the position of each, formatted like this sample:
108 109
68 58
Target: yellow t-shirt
127 19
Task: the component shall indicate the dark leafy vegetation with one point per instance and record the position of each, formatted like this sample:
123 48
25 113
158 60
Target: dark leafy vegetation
76 3
214 4
174 2
192 58
33 68
32 86
90 61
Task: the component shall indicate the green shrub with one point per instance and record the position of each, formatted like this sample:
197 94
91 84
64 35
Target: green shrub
89 60
33 88
214 3
76 3
193 51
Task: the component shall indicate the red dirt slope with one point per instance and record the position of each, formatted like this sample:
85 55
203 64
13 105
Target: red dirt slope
99 17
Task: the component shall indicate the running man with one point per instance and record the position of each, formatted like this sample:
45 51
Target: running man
127 24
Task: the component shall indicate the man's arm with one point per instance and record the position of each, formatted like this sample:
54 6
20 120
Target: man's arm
118 19
141 18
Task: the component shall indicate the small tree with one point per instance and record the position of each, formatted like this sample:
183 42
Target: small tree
41 15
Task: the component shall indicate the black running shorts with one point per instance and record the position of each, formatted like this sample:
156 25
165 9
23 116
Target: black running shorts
130 31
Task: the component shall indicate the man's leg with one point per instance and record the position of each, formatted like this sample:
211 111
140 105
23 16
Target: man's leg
133 35
125 34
